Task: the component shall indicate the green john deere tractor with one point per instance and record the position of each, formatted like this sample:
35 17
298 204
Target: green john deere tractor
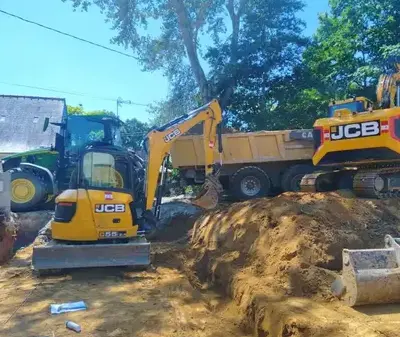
39 175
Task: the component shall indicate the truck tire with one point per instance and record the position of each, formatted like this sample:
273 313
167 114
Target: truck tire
250 182
27 191
292 177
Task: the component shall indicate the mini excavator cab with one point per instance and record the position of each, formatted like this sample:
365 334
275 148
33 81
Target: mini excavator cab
355 105
104 188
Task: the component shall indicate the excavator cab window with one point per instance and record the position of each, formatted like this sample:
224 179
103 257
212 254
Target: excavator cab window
354 107
102 170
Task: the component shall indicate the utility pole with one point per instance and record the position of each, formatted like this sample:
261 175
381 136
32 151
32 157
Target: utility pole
120 101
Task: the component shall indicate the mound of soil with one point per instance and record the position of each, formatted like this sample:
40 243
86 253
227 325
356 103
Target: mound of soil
8 230
267 251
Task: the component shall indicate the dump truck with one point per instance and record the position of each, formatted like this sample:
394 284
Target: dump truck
255 164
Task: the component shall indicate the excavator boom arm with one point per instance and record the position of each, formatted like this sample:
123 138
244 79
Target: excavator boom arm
159 142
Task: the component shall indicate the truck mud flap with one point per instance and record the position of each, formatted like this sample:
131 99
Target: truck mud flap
370 276
55 255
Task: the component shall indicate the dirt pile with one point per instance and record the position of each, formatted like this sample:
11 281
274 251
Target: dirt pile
266 252
8 230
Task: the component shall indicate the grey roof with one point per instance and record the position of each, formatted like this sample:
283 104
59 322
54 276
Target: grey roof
22 119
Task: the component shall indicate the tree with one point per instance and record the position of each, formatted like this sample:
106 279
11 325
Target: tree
75 110
352 44
133 133
349 51
213 46
79 110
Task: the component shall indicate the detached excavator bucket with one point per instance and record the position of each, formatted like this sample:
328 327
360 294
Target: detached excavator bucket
208 198
370 276
56 255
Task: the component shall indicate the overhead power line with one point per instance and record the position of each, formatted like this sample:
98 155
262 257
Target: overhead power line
67 34
118 100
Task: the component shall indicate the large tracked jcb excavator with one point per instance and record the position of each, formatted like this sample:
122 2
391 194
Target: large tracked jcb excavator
109 212
358 146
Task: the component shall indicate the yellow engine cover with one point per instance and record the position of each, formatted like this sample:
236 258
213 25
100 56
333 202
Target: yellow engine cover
358 139
98 215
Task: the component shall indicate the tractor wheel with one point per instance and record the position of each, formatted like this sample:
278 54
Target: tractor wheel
27 191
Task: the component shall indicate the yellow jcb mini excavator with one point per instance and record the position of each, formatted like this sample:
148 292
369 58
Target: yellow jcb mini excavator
106 217
358 146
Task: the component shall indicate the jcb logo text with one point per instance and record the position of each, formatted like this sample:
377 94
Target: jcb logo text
356 130
172 135
110 208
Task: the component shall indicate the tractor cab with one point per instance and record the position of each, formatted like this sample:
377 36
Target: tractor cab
83 130
356 105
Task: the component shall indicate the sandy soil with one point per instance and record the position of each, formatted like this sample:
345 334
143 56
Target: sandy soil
278 257
156 302
261 267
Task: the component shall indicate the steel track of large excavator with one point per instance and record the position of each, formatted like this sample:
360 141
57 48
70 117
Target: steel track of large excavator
377 182
318 182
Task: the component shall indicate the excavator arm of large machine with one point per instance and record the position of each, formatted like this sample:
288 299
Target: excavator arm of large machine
159 142
387 88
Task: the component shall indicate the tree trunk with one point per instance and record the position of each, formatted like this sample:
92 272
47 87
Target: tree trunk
186 29
230 83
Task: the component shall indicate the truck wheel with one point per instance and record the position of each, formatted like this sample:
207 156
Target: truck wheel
250 182
291 179
27 191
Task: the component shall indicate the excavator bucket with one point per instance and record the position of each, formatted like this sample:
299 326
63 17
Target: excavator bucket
56 255
370 276
208 198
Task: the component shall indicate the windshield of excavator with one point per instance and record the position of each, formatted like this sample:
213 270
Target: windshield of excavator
354 106
82 131
102 170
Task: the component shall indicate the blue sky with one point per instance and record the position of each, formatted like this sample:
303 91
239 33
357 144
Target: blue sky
36 57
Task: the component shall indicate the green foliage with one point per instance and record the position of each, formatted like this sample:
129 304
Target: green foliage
349 51
79 110
75 110
133 132
352 44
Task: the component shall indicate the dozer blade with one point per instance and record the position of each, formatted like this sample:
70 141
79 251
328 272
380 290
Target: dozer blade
370 276
208 198
56 255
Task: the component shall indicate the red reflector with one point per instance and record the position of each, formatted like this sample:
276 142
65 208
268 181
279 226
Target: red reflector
385 126
211 144
66 204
